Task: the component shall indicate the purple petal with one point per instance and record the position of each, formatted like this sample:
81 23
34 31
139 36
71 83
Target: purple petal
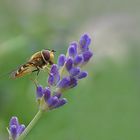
53 101
75 45
61 60
21 129
47 93
69 64
64 83
49 102
87 55
73 82
78 59
68 82
14 121
54 69
13 131
61 102
53 79
82 74
54 76
39 91
84 42
74 71
72 50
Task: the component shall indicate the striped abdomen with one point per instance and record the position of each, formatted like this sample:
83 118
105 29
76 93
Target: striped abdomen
24 69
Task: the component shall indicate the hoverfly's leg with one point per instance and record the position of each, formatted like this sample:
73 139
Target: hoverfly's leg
36 70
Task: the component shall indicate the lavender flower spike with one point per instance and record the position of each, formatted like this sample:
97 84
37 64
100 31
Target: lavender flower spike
65 74
49 101
15 129
69 66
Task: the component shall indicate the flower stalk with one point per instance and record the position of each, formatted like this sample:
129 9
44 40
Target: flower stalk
31 125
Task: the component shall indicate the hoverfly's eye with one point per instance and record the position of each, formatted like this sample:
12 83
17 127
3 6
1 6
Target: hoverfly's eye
46 55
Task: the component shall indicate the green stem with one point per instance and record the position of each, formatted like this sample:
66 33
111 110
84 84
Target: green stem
31 125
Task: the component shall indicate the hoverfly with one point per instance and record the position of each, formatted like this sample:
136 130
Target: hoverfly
37 62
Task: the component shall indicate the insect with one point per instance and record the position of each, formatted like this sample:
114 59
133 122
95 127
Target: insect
37 62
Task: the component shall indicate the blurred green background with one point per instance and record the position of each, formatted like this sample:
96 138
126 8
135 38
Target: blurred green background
104 106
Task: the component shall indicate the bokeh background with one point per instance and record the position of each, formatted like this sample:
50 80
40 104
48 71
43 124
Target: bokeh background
104 106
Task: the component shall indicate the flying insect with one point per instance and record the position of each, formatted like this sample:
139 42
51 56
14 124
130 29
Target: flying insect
38 61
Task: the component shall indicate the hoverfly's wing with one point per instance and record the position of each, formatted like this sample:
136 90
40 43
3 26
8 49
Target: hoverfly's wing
35 56
22 70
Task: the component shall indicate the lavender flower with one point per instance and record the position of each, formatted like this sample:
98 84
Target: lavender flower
65 74
48 101
15 129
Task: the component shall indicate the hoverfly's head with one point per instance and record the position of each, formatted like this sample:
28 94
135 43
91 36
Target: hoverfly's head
48 56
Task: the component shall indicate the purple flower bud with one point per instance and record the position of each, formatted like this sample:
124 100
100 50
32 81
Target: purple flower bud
84 42
75 45
72 50
64 83
82 74
54 69
61 102
14 121
73 82
78 59
53 101
21 128
61 60
87 55
54 76
74 71
47 94
69 64
68 82
39 91
13 131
